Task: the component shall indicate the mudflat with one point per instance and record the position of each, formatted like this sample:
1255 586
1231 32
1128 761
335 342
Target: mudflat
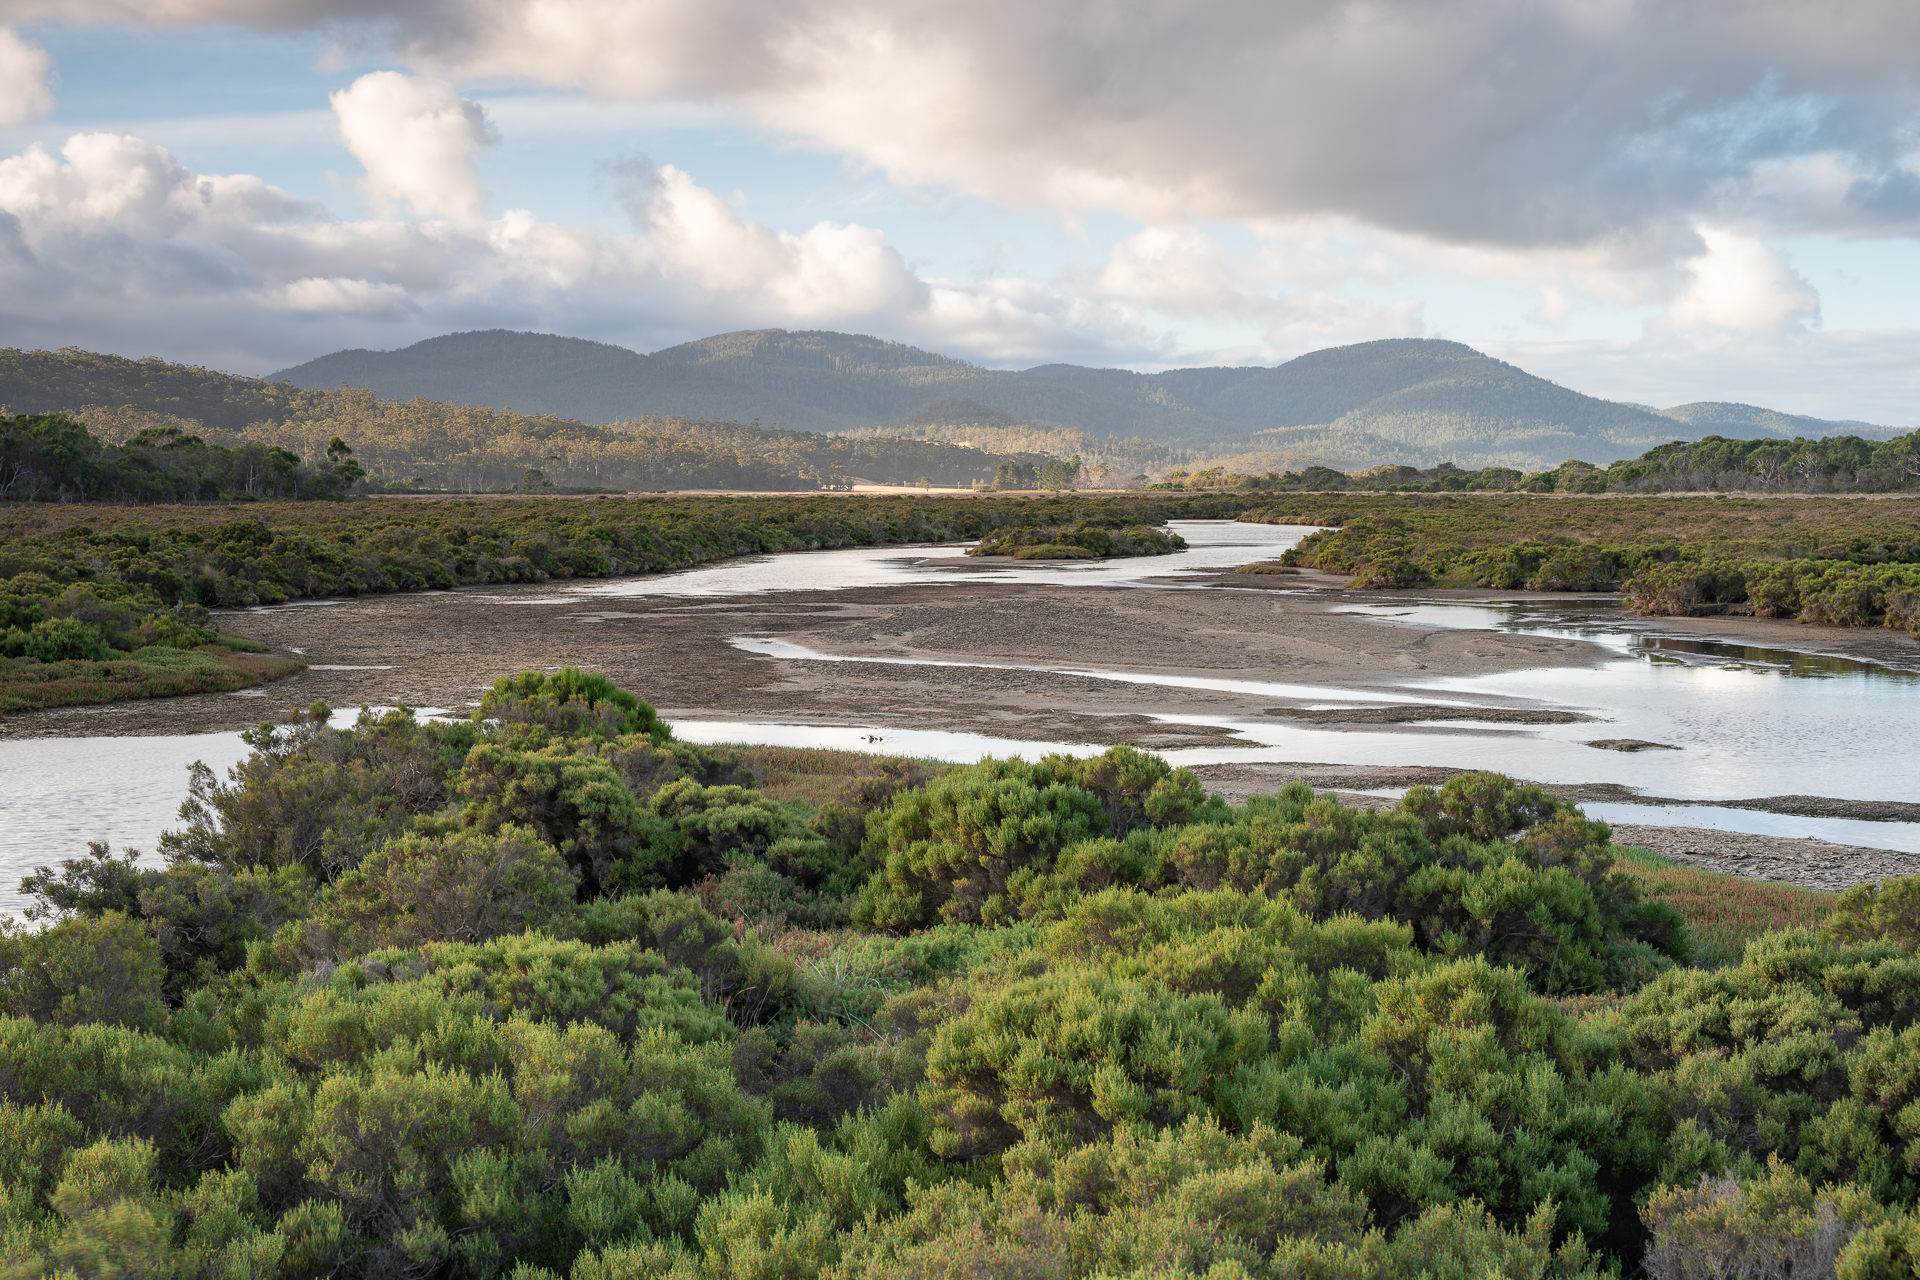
954 654
441 649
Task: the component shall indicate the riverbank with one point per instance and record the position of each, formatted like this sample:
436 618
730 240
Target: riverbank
1208 665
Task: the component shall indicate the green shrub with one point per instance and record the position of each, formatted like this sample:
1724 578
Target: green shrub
572 702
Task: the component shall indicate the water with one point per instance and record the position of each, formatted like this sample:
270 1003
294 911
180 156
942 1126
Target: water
64 792
1749 721
1213 545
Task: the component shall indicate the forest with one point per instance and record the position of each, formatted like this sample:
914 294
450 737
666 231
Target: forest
546 993
1835 464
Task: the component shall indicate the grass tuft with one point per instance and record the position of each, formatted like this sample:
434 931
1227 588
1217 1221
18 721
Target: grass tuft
1724 912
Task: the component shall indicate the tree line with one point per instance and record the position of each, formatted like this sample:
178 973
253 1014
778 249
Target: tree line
1833 464
1835 563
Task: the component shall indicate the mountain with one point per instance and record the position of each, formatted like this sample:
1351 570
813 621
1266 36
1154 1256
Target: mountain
1737 421
72 379
1405 400
540 373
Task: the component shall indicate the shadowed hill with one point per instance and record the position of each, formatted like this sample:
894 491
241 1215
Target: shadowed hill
540 373
1713 417
71 379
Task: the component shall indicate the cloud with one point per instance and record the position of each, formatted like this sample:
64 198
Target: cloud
114 244
1182 270
1740 283
1511 122
416 137
25 70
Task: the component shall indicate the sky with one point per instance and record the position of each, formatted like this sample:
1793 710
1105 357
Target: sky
1652 202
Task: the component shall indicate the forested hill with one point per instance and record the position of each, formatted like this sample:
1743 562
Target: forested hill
70 379
540 373
197 432
1407 400
1745 421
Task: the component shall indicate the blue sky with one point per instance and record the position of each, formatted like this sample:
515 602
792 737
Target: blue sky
1654 203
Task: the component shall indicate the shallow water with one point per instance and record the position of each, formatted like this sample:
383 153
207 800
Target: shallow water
63 792
1749 721
1213 545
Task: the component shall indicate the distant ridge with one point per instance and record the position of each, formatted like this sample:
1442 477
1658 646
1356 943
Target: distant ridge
1712 417
1414 400
544 373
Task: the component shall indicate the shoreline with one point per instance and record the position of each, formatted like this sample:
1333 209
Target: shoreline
441 649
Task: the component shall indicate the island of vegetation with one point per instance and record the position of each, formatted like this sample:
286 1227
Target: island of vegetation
1089 538
1845 564
548 994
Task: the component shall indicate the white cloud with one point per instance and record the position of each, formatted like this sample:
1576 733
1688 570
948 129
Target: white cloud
416 138
1182 270
25 70
336 296
115 245
1740 283
1516 122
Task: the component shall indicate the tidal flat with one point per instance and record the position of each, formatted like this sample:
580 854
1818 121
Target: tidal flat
1251 684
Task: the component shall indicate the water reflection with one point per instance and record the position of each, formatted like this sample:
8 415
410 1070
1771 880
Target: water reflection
1212 545
1611 625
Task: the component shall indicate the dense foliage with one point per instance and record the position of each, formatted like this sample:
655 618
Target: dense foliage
1838 563
1837 464
550 994
1086 539
52 458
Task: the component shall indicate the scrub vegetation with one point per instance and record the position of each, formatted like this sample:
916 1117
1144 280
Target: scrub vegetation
1841 563
1091 538
1836 464
549 994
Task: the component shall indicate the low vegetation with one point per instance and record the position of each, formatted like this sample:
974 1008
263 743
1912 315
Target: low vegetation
547 993
1836 464
1840 563
65 641
185 556
1090 538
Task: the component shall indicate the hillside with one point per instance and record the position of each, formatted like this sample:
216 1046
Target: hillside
1735 421
541 373
1417 401
1407 401
71 379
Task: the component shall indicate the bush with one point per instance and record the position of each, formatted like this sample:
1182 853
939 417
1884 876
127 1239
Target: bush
571 702
462 886
89 969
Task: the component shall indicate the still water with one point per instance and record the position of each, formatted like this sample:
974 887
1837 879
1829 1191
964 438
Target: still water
1747 722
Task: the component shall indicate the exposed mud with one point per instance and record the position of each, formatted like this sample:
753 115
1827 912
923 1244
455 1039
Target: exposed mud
442 649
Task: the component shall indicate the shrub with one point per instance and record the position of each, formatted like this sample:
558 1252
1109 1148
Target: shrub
571 702
461 886
88 969
952 849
